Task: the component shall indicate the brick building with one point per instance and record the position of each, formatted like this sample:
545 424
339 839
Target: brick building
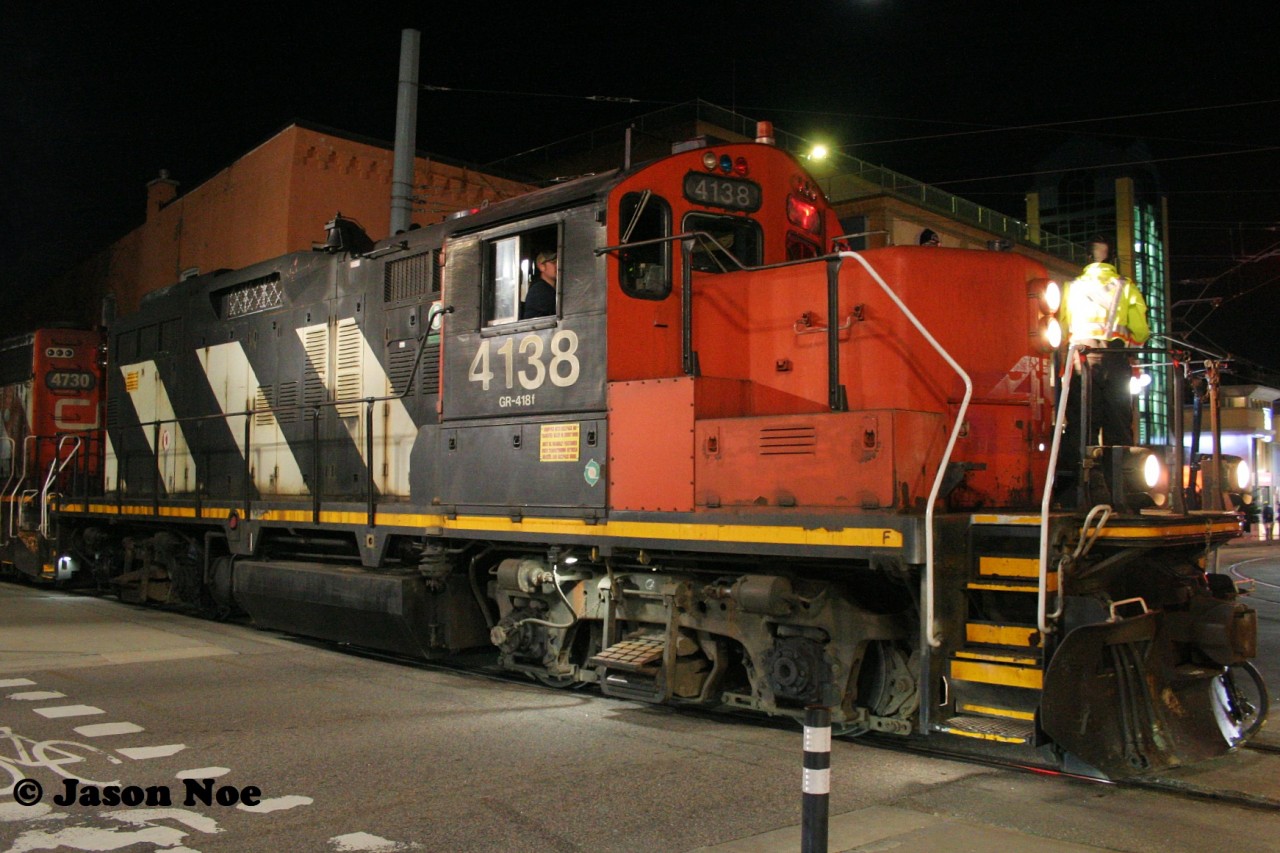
274 200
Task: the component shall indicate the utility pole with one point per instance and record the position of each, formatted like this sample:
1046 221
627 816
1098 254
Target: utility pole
402 188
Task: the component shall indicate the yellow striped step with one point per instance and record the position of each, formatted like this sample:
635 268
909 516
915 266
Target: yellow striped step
1014 584
993 634
1003 668
993 711
1009 567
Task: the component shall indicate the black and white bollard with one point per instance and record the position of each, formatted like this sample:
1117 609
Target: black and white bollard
817 780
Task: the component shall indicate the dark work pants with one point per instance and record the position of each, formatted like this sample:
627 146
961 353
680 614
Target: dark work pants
1110 403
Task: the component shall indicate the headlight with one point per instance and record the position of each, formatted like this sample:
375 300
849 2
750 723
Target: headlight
1052 297
1138 478
1152 471
1237 476
1050 333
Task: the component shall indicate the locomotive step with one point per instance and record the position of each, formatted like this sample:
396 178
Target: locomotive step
1013 584
1009 567
990 728
1011 669
998 634
638 654
994 700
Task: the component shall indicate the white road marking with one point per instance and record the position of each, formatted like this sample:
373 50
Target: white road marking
118 837
141 753
107 729
277 804
364 842
35 695
59 711
203 773
12 812
15 682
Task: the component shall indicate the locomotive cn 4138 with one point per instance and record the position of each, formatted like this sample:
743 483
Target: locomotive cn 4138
737 466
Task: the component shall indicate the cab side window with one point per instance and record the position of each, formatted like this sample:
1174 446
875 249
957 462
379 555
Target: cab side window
645 271
511 269
732 238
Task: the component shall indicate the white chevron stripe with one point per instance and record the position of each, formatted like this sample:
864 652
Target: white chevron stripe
235 386
151 401
360 374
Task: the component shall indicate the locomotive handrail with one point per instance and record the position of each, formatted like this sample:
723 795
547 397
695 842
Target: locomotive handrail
14 511
55 468
931 628
1042 589
13 469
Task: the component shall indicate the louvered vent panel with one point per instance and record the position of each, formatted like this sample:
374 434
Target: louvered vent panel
400 365
350 367
316 373
262 406
783 441
287 403
430 369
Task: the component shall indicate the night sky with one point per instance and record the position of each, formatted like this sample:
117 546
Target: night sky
969 96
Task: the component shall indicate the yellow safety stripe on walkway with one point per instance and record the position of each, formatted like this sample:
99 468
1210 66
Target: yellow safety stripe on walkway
1137 532
860 537
994 673
1001 635
1006 519
1010 713
1120 529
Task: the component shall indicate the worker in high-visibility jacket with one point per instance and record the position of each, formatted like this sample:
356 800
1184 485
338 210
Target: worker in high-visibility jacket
1105 310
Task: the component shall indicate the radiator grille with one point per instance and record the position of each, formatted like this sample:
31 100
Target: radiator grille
410 277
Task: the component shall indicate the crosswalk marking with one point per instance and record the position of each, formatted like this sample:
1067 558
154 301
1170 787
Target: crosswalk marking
203 773
58 711
141 753
107 729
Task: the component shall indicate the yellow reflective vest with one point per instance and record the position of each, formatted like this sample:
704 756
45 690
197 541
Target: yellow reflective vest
1102 305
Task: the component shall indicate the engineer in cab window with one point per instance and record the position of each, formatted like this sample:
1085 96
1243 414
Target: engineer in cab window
540 301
